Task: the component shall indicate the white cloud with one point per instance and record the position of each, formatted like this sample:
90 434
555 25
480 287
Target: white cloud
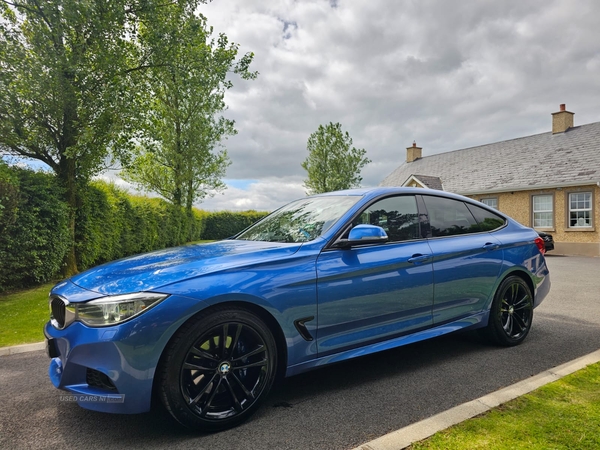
263 195
447 74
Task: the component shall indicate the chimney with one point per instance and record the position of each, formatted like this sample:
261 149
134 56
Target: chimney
562 120
413 153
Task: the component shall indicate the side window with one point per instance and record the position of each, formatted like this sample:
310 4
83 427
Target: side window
488 221
398 216
449 217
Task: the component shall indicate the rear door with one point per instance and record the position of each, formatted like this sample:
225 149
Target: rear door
467 259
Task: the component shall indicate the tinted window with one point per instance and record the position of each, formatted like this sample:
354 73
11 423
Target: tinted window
487 220
398 216
449 217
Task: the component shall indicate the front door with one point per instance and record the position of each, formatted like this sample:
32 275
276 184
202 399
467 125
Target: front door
375 292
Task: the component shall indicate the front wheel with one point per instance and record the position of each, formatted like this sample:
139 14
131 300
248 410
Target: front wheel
217 369
511 313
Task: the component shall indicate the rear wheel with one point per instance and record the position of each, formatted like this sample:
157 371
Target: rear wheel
511 313
218 369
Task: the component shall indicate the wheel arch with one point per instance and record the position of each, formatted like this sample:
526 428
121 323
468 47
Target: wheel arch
526 276
252 308
518 272
495 330
273 326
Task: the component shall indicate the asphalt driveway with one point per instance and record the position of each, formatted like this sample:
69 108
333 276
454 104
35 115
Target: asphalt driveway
337 407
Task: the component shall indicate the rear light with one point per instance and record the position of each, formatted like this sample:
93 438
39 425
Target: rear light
540 245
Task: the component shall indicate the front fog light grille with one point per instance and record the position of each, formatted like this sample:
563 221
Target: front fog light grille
99 380
58 311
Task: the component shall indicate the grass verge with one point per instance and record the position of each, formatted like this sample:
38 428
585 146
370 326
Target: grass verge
24 314
561 415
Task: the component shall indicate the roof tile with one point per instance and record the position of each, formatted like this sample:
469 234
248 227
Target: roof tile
540 160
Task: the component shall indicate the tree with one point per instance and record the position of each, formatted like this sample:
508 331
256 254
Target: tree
67 85
179 156
332 163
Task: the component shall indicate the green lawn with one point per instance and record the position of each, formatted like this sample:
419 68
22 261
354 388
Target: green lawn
561 415
24 314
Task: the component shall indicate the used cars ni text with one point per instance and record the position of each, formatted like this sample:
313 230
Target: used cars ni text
207 328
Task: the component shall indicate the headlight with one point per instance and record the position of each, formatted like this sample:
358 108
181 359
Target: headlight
110 310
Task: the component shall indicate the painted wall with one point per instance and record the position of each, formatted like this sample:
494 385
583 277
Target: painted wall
518 205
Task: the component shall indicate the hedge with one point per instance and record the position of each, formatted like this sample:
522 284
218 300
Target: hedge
110 224
223 224
33 227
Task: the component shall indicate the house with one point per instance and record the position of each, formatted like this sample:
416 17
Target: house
548 181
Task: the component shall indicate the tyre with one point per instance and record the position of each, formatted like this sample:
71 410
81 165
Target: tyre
511 313
217 369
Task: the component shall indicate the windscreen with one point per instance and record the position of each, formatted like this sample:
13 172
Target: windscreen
300 221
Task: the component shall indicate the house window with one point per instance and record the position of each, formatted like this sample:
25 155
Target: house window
492 202
580 210
543 211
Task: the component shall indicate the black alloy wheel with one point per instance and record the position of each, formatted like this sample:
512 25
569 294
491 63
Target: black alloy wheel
218 369
511 314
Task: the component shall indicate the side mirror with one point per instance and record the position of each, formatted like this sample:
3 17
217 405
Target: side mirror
366 234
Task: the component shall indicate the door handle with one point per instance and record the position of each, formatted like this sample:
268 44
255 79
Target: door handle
418 258
491 246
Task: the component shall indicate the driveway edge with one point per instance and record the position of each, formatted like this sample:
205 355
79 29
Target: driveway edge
4 351
415 432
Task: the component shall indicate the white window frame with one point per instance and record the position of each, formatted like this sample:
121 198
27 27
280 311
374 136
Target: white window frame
495 200
581 223
535 211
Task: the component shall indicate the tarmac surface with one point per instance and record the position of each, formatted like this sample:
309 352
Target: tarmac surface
338 407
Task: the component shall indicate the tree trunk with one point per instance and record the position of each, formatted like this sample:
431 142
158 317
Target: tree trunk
189 213
67 177
68 164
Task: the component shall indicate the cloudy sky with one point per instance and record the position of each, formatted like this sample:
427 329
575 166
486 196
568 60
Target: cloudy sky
446 74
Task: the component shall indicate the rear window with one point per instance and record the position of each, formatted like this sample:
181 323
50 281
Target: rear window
487 220
448 217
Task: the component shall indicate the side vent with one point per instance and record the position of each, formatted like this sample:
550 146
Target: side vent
300 325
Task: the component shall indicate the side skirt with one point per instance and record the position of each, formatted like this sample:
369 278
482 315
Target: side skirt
475 321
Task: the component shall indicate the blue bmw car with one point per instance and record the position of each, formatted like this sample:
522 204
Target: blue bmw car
207 328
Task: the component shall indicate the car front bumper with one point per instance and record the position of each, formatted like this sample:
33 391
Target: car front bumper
111 369
82 354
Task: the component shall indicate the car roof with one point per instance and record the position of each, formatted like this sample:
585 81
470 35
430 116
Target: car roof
379 191
374 192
